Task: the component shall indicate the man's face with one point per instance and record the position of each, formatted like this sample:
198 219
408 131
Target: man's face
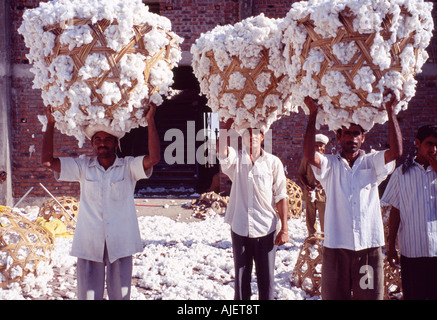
427 149
320 147
253 138
104 144
351 139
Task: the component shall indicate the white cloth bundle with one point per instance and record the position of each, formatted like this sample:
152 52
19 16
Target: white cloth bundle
339 97
252 100
76 97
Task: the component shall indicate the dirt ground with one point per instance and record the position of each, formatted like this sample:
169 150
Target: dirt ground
174 208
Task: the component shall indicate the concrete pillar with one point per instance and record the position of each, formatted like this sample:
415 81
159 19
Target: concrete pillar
5 103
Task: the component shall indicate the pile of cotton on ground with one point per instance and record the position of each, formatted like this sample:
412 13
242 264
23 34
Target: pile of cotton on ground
250 85
405 18
121 80
179 261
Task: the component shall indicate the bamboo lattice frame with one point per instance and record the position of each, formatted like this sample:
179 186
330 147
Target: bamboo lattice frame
99 45
392 281
392 276
307 273
250 75
51 209
23 242
361 58
295 195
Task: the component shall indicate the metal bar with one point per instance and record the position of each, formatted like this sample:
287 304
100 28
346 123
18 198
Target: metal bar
22 198
57 201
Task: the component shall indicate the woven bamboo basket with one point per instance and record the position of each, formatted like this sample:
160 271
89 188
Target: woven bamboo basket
307 273
51 209
392 281
392 276
295 195
362 57
99 45
23 246
250 75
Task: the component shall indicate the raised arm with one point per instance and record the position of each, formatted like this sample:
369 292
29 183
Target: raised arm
47 159
309 142
395 136
223 141
153 140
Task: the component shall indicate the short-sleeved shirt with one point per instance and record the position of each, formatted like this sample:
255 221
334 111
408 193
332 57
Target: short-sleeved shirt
256 188
353 215
415 195
107 209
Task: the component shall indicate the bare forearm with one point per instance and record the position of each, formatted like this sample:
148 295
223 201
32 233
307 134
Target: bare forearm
47 158
282 207
395 138
153 144
224 139
282 236
309 143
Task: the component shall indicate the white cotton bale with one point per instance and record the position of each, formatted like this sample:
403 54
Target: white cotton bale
95 60
349 54
241 71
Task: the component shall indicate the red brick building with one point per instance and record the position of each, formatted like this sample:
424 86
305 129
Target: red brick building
20 130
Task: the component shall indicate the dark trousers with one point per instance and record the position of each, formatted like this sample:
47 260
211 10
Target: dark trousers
419 278
348 274
262 251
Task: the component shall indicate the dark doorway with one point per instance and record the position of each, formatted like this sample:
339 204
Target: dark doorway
184 113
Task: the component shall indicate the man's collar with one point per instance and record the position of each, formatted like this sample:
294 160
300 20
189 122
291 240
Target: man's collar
361 153
95 163
415 162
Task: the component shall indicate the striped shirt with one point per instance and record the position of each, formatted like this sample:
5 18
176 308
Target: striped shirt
415 195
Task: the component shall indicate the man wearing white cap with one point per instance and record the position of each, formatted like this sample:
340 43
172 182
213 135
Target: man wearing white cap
107 232
313 193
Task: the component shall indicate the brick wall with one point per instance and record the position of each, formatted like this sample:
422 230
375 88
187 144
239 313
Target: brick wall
189 20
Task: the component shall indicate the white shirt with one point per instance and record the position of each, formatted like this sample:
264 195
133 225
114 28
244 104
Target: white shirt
353 215
415 195
107 208
255 191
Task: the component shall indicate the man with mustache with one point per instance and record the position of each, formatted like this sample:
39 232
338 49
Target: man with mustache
412 193
352 257
107 232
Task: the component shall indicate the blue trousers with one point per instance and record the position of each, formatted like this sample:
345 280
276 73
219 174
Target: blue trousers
262 251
